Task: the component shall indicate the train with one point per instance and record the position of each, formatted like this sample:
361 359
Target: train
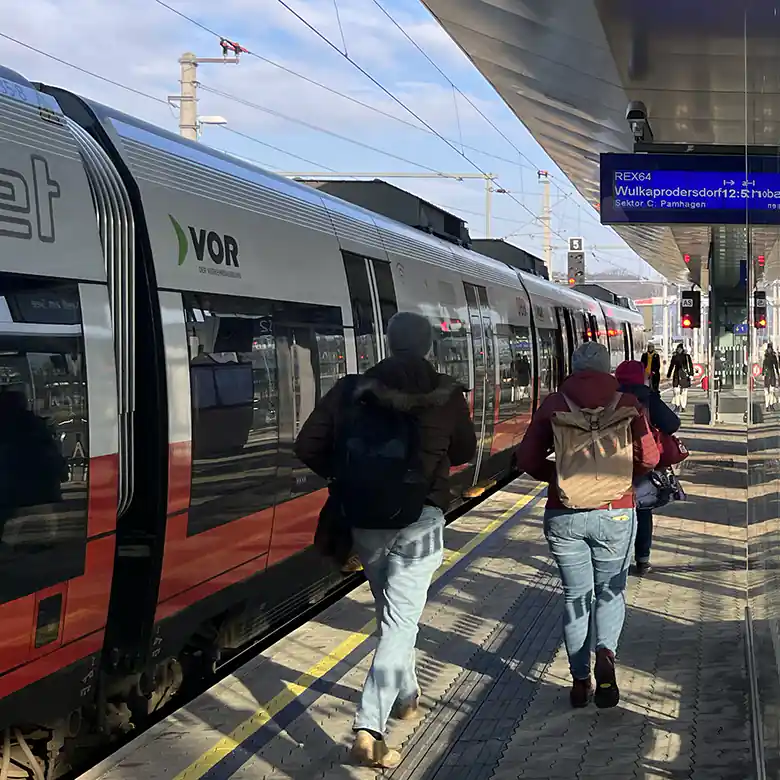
169 316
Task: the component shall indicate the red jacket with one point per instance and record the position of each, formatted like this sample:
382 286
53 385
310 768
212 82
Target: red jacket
589 390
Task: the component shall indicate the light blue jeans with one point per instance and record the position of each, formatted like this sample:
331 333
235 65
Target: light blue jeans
399 566
593 552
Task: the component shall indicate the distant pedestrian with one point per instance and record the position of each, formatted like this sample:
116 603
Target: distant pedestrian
651 361
680 371
602 441
770 371
631 376
386 441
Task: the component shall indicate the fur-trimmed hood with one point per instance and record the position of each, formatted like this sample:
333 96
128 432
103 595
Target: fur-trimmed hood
406 384
370 389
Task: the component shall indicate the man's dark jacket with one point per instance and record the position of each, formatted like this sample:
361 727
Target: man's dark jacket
661 416
407 384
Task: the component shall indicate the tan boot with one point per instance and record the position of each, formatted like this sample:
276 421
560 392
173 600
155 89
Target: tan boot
369 751
352 565
408 710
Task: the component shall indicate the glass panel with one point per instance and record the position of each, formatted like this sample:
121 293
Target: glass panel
451 350
362 311
44 435
386 291
233 378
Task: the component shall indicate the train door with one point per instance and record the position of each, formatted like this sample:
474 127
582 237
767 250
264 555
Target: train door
484 386
311 355
372 293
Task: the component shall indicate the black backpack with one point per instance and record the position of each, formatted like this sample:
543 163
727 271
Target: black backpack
378 480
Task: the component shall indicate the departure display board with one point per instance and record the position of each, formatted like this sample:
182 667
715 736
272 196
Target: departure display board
689 189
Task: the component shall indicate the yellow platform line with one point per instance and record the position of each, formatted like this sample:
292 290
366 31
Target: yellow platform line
293 690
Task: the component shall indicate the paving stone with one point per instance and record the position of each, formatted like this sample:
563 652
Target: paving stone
495 675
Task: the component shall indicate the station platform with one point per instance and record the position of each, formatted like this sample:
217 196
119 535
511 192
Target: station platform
492 667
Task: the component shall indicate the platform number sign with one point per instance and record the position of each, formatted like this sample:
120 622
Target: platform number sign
759 309
690 309
575 245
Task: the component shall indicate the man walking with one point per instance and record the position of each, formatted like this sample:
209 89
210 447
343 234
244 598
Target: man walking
386 441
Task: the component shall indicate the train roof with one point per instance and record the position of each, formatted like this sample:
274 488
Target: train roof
131 128
128 127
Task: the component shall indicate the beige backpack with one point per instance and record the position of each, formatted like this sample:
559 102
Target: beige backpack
594 453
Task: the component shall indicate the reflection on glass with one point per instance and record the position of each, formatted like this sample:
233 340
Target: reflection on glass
44 436
234 386
451 350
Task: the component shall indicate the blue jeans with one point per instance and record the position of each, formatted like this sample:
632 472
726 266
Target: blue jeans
399 566
644 535
593 553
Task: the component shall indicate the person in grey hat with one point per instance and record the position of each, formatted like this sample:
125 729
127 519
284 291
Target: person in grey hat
400 549
592 546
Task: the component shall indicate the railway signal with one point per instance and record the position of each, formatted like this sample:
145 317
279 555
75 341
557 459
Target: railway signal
576 261
759 309
690 309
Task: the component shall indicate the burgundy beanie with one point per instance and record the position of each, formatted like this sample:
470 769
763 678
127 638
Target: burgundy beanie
630 372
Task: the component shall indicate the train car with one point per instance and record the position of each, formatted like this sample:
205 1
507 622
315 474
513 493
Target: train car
171 315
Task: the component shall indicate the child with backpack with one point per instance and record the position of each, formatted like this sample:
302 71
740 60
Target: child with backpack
602 441
386 441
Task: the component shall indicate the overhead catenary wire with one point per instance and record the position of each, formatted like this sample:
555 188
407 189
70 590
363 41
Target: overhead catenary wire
317 128
337 92
423 127
86 71
275 148
397 100
149 96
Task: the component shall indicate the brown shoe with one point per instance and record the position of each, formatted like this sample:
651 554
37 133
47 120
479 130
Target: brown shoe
580 693
607 691
367 750
409 709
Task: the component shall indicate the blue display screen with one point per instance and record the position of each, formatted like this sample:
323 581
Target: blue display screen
692 189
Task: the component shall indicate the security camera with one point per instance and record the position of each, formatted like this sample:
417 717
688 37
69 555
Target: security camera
636 116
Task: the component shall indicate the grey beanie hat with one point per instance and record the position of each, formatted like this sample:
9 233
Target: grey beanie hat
591 356
409 334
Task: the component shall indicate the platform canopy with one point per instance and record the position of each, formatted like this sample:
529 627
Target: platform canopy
708 72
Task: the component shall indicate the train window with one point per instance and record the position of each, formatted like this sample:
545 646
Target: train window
522 356
451 350
362 311
44 435
586 334
235 398
385 290
616 345
331 354
514 356
371 312
548 361
252 363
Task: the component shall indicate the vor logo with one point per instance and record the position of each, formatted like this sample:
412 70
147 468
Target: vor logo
221 250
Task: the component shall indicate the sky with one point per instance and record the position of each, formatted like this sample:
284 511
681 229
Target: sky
279 119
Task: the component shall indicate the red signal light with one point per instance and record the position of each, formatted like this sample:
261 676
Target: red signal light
761 260
686 321
761 323
572 281
686 259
